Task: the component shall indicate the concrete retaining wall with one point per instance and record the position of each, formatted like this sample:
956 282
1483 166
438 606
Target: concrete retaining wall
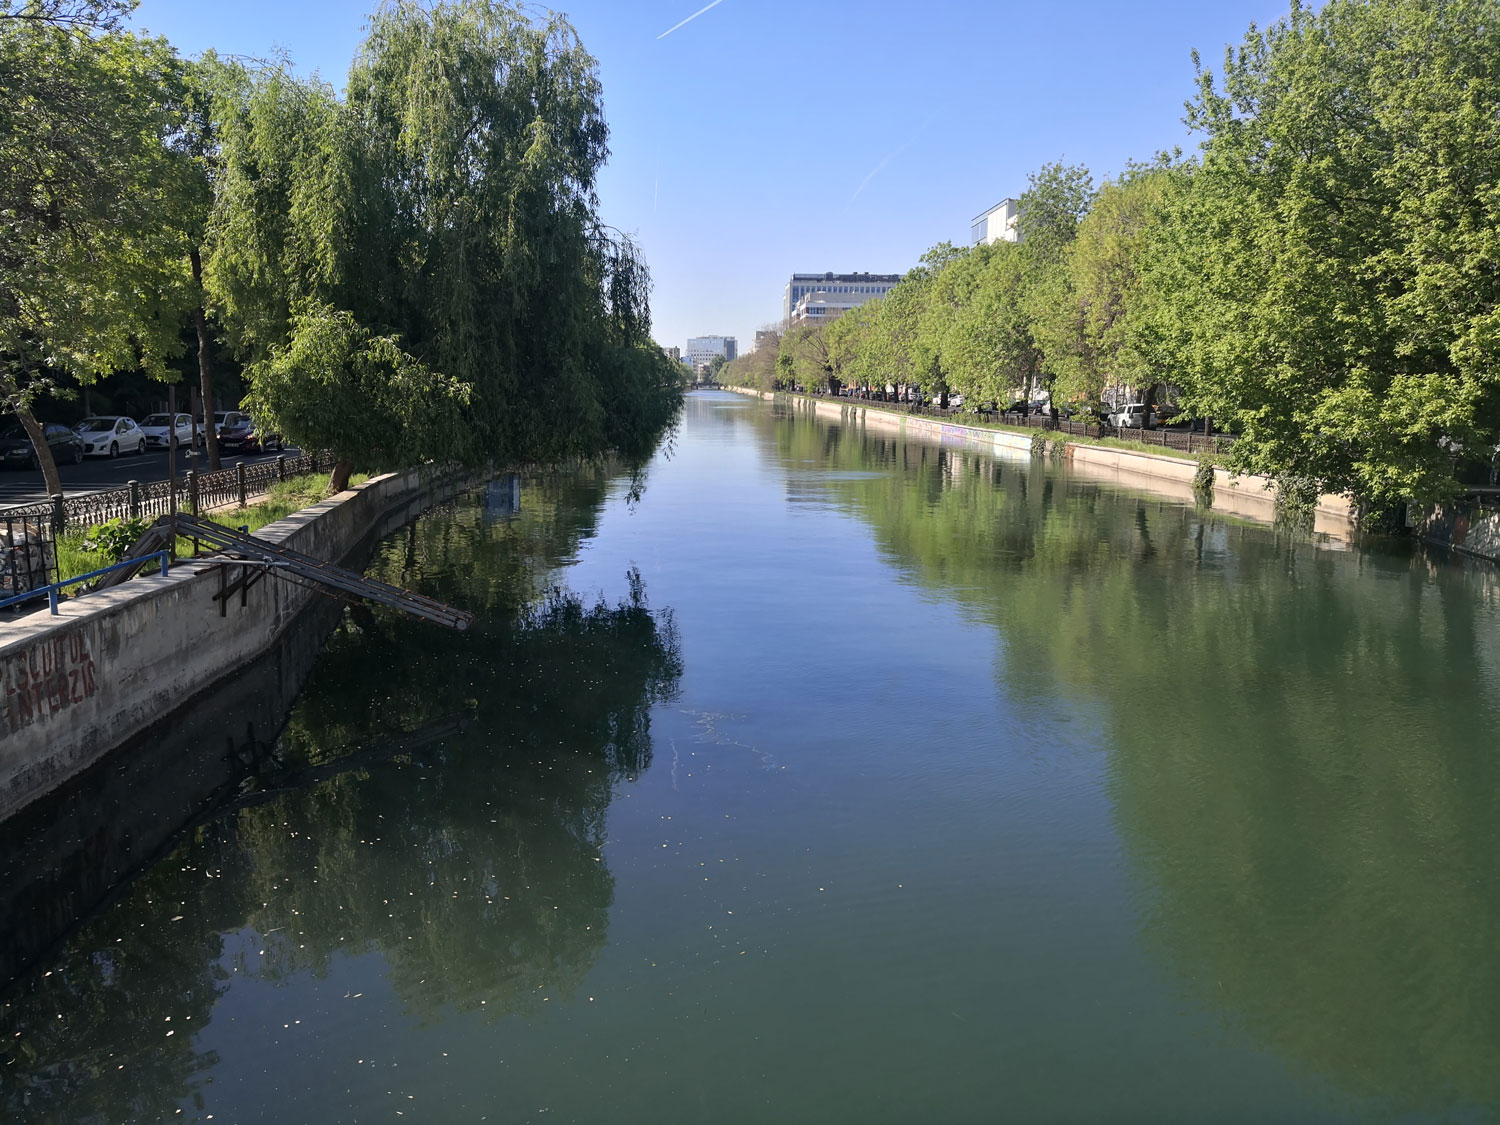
77 685
1474 531
1247 497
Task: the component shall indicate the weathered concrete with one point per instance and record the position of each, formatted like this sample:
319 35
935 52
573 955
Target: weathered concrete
1246 497
76 685
66 853
1473 531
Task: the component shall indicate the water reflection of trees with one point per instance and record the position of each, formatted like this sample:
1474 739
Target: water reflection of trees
1302 764
475 867
436 798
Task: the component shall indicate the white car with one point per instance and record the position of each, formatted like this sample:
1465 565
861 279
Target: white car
158 431
1133 416
110 436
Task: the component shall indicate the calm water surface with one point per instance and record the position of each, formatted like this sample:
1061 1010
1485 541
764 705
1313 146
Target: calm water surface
836 778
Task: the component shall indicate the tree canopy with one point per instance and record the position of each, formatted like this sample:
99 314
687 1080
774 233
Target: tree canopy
1321 277
415 271
445 209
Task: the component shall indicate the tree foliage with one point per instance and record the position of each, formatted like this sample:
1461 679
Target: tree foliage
1331 280
425 253
1322 278
90 273
447 208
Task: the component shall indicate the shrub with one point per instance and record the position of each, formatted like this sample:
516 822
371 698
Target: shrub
111 540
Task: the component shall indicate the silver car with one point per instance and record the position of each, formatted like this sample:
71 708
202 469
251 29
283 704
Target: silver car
158 430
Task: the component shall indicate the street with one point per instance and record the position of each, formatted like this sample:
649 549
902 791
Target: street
98 473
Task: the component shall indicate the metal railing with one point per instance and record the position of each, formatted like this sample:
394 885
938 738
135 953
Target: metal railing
195 493
52 589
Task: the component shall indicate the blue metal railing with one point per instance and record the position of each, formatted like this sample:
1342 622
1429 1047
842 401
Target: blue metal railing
51 590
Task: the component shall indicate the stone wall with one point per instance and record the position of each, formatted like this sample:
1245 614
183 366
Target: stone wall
1247 497
76 685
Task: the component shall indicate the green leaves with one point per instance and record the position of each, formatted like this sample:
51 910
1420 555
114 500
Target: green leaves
335 386
90 274
1333 275
442 218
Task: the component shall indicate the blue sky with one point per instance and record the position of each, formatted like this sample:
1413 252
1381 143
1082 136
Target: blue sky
764 137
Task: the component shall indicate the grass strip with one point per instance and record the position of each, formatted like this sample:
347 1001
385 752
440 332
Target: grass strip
284 498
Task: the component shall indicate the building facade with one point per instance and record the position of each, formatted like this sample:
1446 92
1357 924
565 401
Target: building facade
674 354
1001 223
822 297
702 349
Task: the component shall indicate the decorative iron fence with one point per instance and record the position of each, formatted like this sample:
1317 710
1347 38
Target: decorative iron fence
28 555
195 492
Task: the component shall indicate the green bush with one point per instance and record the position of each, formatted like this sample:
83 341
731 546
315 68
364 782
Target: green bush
1203 481
111 540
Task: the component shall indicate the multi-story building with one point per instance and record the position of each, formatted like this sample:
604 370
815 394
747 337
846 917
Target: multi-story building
764 338
826 296
1001 223
674 354
701 349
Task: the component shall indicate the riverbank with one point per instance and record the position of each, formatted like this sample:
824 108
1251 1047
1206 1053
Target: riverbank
75 685
1243 496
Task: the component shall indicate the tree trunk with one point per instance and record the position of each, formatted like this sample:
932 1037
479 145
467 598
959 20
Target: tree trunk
35 432
205 365
1149 401
339 480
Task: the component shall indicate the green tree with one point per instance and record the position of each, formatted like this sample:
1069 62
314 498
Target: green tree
90 277
808 360
1097 328
447 207
1332 280
989 342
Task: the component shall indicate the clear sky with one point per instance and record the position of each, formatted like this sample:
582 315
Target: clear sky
762 137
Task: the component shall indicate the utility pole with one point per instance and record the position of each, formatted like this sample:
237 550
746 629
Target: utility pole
172 466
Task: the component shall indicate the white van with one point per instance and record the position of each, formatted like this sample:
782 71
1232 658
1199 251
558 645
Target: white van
1133 415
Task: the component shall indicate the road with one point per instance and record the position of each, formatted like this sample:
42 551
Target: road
25 486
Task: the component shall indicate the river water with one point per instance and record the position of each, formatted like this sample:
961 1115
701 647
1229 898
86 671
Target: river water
823 776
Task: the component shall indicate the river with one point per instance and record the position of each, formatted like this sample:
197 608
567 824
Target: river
817 775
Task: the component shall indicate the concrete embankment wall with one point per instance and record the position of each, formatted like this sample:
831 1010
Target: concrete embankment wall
1247 497
76 685
1473 531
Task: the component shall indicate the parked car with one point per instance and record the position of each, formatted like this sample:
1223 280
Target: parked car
1133 415
158 429
110 435
225 418
18 453
247 437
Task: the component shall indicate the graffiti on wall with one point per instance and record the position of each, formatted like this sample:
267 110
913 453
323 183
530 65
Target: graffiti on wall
46 679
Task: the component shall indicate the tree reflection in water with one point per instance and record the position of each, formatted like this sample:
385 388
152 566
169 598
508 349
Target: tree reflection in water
436 798
1301 757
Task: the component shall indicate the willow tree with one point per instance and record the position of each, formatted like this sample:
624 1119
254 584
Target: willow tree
448 208
90 275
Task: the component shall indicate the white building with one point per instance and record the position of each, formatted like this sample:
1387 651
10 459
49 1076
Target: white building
822 297
1001 223
701 349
